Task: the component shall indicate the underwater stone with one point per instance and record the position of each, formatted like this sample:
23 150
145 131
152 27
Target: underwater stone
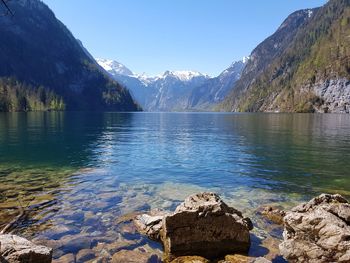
68 258
190 259
274 214
149 225
85 255
138 255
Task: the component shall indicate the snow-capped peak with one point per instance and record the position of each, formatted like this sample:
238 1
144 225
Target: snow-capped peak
309 12
184 75
245 59
114 67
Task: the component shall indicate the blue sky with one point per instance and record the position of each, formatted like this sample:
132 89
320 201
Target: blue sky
152 36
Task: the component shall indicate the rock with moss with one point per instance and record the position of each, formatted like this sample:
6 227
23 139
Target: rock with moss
15 249
318 231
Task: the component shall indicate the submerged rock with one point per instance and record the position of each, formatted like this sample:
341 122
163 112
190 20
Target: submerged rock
15 249
149 225
260 260
190 259
318 231
68 258
138 255
236 259
274 214
85 255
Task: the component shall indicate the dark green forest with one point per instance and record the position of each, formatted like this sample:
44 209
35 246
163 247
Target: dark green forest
16 96
44 67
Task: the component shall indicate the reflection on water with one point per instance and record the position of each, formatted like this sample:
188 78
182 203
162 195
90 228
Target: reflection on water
81 174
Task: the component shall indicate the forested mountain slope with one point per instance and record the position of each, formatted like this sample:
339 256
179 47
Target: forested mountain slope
43 67
303 67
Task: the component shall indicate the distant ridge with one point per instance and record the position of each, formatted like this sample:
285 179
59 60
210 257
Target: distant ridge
175 90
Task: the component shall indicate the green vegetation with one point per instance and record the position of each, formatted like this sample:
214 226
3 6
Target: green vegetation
16 96
319 51
56 63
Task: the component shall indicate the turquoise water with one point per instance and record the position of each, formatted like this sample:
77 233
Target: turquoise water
80 173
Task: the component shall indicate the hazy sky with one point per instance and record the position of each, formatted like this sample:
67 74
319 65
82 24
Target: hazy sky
156 35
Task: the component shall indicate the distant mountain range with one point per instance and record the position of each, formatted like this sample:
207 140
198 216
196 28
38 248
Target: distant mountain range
175 90
303 67
43 67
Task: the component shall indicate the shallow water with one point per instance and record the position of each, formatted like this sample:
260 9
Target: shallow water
80 174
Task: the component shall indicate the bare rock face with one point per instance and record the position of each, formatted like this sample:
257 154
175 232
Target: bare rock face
318 231
15 249
204 225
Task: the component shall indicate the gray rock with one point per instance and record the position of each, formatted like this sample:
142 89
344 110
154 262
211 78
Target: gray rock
149 225
15 249
336 95
260 260
204 225
318 231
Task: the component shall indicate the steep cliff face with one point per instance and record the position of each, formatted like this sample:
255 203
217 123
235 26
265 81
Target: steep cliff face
214 90
36 49
303 67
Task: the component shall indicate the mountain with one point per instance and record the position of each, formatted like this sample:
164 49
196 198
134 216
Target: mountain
303 67
43 67
166 92
214 90
114 67
175 90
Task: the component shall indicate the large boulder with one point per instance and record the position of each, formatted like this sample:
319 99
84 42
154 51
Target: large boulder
204 225
15 249
318 231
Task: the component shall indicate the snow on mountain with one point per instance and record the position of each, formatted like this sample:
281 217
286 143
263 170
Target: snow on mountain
116 68
175 90
184 75
245 59
113 67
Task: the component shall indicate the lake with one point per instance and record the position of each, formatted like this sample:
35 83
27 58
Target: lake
80 174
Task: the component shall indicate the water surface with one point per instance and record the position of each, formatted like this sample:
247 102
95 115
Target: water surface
80 174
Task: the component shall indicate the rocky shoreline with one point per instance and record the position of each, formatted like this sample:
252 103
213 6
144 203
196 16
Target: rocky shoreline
205 229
